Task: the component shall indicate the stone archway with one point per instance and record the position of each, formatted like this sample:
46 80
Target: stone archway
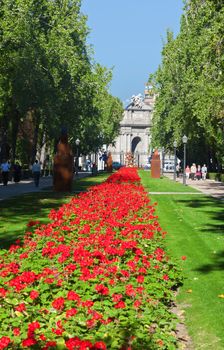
135 143
135 131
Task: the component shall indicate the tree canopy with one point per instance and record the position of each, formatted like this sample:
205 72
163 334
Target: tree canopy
48 78
190 85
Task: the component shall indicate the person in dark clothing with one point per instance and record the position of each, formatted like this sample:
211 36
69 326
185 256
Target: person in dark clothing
36 172
5 168
17 172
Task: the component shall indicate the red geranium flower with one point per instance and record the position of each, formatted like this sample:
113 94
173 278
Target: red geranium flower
34 294
120 305
4 342
58 303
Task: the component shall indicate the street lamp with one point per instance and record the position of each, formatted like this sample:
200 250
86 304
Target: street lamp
77 142
137 158
175 160
121 157
184 139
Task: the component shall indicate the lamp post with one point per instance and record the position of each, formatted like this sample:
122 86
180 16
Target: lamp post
77 142
184 139
175 160
121 157
137 158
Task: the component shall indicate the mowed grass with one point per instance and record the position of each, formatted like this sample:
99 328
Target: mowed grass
195 227
165 185
16 212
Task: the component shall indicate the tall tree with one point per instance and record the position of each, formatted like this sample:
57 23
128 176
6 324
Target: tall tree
190 84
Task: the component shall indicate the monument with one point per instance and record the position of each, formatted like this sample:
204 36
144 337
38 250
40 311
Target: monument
63 165
135 129
155 165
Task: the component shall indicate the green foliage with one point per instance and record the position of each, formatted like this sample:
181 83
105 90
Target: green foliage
46 71
216 176
190 84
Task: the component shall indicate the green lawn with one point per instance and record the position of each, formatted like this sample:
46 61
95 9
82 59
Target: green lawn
16 212
195 226
166 184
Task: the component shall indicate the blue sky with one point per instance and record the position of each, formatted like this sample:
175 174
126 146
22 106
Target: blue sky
128 35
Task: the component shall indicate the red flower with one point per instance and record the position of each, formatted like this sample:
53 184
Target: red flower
73 296
101 289
183 257
2 292
57 331
32 223
117 297
16 331
21 307
165 277
140 279
87 303
49 344
130 290
71 312
99 345
28 342
34 294
137 303
120 305
33 326
4 342
42 337
58 303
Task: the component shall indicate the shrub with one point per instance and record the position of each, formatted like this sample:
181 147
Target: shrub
216 176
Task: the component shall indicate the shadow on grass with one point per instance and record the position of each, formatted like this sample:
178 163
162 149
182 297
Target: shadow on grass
214 210
18 211
216 265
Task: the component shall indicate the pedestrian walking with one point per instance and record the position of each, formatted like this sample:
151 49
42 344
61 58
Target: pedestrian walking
204 171
198 172
193 171
187 172
36 172
5 168
178 170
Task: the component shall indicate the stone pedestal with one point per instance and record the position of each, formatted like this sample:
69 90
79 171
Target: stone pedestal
63 166
155 165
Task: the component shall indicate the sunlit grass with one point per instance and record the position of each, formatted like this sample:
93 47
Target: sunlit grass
195 226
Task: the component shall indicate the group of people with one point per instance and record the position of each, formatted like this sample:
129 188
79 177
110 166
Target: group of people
17 171
196 172
6 169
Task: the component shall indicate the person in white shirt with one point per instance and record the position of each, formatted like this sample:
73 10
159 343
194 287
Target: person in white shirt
204 171
36 172
5 167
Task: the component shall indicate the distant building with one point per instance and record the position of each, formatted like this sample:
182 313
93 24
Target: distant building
135 129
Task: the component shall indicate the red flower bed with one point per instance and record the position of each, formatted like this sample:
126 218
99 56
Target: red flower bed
96 277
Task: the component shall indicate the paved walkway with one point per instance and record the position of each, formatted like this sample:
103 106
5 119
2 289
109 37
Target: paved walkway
27 186
209 187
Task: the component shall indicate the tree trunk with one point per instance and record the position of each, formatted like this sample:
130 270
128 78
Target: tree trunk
14 132
36 120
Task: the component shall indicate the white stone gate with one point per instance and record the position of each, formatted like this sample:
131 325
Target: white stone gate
135 130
